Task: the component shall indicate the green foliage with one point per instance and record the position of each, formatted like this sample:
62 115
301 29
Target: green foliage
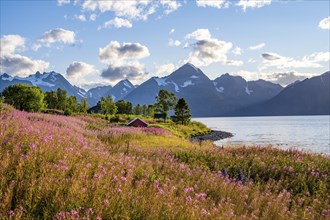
165 101
151 110
83 107
24 97
137 109
182 112
2 100
62 98
72 104
108 106
144 110
124 107
51 100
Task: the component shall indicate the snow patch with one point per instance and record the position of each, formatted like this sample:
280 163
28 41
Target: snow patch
176 87
220 89
215 83
123 91
7 78
187 83
127 84
161 81
90 95
247 90
194 77
189 64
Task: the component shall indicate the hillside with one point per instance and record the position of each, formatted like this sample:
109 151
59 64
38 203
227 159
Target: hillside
57 167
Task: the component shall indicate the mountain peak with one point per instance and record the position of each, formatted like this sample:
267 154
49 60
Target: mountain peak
5 75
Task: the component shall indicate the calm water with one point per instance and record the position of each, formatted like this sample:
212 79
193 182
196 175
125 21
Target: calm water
308 133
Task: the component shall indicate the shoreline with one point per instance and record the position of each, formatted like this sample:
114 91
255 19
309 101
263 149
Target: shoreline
212 136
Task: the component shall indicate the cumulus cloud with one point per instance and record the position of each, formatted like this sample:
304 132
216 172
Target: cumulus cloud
114 52
174 43
311 61
199 34
136 10
14 63
257 47
80 17
11 43
117 23
253 4
325 23
123 61
92 17
207 50
62 2
78 68
284 78
133 72
165 69
172 31
56 35
237 51
212 3
170 5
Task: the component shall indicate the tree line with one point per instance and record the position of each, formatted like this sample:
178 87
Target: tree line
32 99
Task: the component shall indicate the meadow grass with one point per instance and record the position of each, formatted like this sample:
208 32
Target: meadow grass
82 167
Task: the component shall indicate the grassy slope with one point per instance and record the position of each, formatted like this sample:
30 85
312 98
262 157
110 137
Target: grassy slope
74 167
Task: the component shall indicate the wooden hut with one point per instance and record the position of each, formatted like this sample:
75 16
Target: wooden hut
137 122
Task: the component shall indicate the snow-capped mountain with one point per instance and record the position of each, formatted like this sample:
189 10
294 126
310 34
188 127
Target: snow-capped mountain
95 94
120 90
47 81
307 97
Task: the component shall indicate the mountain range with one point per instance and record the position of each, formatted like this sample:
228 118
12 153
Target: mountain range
226 95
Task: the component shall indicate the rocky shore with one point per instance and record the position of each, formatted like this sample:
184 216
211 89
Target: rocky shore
212 136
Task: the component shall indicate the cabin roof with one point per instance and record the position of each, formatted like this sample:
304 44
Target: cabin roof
137 119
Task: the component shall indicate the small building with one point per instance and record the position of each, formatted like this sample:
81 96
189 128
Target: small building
137 122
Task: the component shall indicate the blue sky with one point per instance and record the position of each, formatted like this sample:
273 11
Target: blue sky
102 42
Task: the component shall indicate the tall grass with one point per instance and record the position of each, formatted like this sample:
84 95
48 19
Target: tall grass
82 167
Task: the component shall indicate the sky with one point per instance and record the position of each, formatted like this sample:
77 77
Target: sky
102 42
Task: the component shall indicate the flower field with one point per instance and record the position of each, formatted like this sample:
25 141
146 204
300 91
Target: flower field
81 167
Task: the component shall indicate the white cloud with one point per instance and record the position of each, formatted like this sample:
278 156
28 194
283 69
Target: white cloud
237 51
133 71
164 69
136 10
11 43
170 5
174 43
123 61
62 2
325 23
212 3
57 35
92 17
285 78
234 62
172 31
114 52
79 69
280 62
199 34
253 3
257 47
117 23
80 17
17 64
207 50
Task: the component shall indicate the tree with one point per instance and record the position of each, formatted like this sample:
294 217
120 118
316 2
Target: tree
182 112
24 97
165 102
72 104
108 106
137 109
151 110
124 107
144 110
62 99
51 100
83 107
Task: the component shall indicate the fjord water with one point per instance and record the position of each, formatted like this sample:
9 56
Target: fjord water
307 133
